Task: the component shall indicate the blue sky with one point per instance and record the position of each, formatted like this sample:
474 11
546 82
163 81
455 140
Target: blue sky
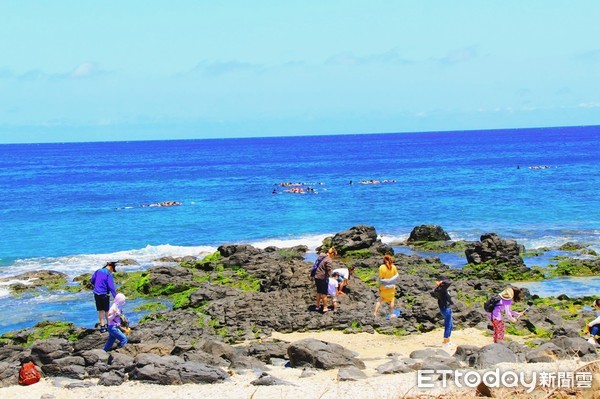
132 70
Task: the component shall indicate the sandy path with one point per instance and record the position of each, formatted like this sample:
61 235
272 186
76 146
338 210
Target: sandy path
373 349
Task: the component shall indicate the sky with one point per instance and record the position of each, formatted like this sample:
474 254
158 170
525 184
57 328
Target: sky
147 70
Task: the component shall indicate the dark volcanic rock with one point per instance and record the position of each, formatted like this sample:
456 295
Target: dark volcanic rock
177 278
493 354
264 351
172 370
112 378
574 346
357 238
350 374
428 232
36 279
268 380
396 366
495 249
247 293
322 355
45 352
501 255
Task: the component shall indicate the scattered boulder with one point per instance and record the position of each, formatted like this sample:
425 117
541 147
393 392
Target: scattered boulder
546 353
574 346
397 366
468 354
36 279
492 354
571 246
112 378
357 238
321 355
268 380
350 374
495 258
167 280
440 363
128 262
492 248
428 232
427 353
45 352
265 351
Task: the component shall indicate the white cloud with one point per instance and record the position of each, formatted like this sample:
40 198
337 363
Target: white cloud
84 70
217 68
389 57
460 55
592 104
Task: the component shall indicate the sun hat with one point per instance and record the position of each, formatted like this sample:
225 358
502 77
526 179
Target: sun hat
507 294
113 265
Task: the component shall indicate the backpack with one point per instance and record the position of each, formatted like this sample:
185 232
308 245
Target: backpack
124 321
491 303
29 374
315 266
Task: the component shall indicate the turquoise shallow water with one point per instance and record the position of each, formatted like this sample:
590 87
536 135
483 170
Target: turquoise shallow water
71 207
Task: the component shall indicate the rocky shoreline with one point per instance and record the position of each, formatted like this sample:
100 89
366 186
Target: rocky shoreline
227 305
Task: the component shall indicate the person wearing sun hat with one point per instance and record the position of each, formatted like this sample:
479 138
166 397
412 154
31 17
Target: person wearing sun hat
506 299
104 285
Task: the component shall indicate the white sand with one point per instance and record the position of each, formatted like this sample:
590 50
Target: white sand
373 349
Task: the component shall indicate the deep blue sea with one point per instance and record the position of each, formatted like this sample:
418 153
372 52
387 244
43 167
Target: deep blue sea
71 207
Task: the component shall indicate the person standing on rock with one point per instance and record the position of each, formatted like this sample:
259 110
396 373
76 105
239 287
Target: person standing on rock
115 317
104 285
322 274
388 277
506 300
445 303
332 289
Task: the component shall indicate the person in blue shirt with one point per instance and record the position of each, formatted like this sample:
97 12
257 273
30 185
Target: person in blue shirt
104 285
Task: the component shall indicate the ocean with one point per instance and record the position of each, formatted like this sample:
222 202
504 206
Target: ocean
71 207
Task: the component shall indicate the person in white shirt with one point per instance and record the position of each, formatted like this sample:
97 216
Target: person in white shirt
345 275
594 325
332 289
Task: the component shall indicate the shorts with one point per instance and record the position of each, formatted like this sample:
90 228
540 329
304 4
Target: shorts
102 302
322 286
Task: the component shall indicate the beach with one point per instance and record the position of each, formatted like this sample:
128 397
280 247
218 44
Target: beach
374 349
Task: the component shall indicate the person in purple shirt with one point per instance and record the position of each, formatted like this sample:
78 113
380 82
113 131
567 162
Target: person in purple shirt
115 319
507 296
104 285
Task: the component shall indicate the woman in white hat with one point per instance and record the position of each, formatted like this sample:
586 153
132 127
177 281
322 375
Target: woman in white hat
506 299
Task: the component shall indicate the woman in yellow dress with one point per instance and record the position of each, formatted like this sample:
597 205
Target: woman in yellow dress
388 276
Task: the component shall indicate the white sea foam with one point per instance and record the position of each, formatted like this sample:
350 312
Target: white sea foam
75 265
388 239
554 242
4 291
311 241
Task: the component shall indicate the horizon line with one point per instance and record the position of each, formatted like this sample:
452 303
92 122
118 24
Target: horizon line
300 135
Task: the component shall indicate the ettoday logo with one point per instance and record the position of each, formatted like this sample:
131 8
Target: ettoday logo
505 379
